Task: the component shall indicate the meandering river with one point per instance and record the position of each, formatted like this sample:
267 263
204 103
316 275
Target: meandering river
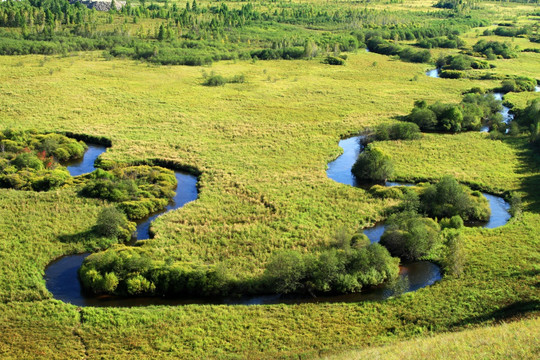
62 277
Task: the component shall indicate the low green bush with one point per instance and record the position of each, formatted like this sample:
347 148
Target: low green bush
333 60
410 236
399 131
373 165
447 198
138 190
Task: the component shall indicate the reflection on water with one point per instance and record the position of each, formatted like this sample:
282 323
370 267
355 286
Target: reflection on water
339 170
433 73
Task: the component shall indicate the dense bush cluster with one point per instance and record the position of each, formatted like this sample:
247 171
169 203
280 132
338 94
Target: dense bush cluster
447 198
137 190
123 270
494 49
518 84
474 111
30 160
334 60
509 31
219 80
406 53
373 165
460 62
410 236
414 233
398 131
446 42
113 223
132 271
458 5
335 271
529 119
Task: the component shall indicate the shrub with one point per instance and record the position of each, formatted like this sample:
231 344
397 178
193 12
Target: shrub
215 80
286 270
454 259
113 223
410 236
373 165
451 74
455 222
503 50
125 270
139 190
530 116
332 60
519 84
28 160
399 131
448 198
424 118
473 111
360 240
516 204
378 45
385 192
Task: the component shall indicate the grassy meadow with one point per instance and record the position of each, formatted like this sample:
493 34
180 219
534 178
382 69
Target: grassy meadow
499 342
262 148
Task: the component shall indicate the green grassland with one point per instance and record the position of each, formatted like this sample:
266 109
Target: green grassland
498 342
262 148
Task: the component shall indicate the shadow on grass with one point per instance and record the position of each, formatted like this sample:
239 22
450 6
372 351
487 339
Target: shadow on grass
80 237
514 311
89 240
530 170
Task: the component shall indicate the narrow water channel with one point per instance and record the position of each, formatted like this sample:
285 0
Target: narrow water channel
507 116
61 276
339 170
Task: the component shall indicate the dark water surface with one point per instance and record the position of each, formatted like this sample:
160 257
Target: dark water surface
86 164
186 191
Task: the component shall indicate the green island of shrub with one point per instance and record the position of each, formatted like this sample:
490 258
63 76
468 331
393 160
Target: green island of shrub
373 165
474 111
355 265
29 160
138 190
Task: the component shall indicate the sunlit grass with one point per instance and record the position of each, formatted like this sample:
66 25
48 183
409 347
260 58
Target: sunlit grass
262 147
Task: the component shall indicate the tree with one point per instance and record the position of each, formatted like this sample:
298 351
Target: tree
112 222
161 33
454 259
410 236
373 165
285 271
423 117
